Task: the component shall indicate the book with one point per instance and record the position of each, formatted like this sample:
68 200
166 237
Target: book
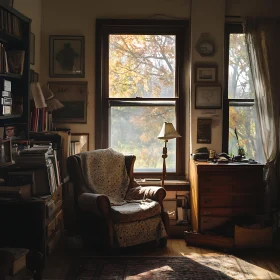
18 257
23 191
75 147
15 61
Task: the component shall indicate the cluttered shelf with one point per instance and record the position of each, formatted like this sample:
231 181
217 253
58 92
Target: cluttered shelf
31 192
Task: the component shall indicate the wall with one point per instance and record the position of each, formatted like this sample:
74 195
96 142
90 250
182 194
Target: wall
209 19
265 8
33 10
72 17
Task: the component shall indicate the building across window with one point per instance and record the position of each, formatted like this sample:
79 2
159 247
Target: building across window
141 86
241 129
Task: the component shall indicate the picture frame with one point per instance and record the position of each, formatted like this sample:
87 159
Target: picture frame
6 152
82 139
15 61
206 73
204 130
73 95
66 56
15 131
208 97
32 48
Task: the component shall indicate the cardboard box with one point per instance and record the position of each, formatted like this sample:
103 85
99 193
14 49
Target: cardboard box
252 237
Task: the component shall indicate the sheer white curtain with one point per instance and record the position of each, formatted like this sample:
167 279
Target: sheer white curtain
263 43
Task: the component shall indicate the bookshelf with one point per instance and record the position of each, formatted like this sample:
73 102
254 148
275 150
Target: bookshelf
14 39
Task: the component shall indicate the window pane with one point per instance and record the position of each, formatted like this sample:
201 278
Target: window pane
134 130
245 121
240 83
142 66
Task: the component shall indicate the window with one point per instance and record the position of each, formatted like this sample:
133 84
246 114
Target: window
239 103
140 78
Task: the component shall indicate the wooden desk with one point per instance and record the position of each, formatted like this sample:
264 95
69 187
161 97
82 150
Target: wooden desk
220 192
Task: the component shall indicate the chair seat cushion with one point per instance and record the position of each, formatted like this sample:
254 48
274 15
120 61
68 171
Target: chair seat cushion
135 210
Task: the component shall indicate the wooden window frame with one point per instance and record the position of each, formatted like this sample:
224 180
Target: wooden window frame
230 28
180 28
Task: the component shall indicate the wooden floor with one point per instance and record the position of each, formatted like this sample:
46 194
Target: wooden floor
256 264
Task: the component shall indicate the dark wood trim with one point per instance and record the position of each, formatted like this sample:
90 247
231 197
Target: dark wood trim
180 28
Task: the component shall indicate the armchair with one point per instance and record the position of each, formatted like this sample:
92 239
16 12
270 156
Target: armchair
138 218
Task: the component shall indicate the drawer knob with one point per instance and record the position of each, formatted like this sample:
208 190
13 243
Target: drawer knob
206 213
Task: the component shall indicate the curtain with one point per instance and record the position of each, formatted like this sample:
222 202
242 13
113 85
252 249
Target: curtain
263 43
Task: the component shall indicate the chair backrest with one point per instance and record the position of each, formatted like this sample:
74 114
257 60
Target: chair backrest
74 168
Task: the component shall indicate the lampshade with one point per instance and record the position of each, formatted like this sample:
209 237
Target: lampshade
168 132
38 95
52 103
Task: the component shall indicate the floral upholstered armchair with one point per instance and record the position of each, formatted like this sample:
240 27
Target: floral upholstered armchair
113 210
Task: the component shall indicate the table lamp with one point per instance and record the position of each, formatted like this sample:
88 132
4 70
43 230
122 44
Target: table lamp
167 132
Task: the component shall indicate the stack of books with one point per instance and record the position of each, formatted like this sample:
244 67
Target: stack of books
6 98
15 192
10 23
35 156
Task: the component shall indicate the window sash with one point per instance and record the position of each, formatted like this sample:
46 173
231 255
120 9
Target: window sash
105 27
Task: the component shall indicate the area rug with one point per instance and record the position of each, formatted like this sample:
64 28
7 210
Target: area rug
164 268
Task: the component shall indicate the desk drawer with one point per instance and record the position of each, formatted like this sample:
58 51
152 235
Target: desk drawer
53 242
59 224
207 223
51 228
236 200
216 180
215 201
228 212
223 212
208 189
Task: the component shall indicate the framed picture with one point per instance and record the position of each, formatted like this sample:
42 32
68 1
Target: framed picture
204 130
208 97
67 56
32 48
73 95
15 131
79 143
206 73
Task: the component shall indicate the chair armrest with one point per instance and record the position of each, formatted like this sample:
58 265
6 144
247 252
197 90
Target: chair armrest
99 204
151 192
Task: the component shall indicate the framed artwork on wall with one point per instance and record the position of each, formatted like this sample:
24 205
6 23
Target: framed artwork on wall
204 130
67 56
208 97
32 48
73 95
80 141
205 73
